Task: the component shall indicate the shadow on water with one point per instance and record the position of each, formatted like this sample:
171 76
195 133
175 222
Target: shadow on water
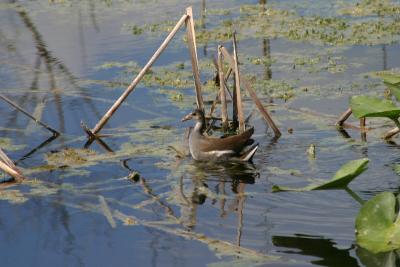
325 249
214 181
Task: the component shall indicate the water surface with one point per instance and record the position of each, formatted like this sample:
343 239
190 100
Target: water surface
67 62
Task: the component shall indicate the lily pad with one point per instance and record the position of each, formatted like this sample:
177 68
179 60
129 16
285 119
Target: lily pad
378 225
390 78
395 90
367 106
340 180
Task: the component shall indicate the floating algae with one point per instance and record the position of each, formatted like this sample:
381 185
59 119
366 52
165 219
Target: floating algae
13 196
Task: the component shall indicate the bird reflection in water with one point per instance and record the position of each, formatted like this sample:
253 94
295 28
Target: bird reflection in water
212 181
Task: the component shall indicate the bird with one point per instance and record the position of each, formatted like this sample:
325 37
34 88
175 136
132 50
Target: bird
206 148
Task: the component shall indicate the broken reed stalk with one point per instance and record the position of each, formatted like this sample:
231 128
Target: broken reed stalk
191 38
217 98
343 117
8 166
261 108
224 110
237 93
93 137
138 78
363 130
389 134
9 101
228 73
6 159
267 117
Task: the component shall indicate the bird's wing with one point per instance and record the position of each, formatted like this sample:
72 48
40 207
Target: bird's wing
235 143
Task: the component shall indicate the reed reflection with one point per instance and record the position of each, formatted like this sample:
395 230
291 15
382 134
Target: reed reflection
224 185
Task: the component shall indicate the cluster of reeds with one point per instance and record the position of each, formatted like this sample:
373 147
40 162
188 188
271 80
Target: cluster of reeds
237 121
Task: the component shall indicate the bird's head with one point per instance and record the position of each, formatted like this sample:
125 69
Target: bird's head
197 114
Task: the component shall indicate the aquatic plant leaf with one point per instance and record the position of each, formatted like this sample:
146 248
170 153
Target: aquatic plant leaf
396 168
341 179
377 228
369 259
367 106
390 78
69 157
395 90
7 144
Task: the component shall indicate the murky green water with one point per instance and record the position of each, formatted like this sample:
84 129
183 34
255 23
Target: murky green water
67 62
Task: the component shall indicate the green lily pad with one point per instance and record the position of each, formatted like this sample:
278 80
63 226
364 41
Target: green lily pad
378 225
390 78
395 90
367 106
369 259
340 180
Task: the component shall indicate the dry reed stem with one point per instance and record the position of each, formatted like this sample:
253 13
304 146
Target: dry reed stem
9 101
224 110
138 78
8 166
191 38
267 117
237 94
389 134
343 117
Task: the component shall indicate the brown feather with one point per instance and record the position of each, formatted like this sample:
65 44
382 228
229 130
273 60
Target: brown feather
235 142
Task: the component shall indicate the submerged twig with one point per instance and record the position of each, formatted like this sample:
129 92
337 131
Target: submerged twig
43 144
107 212
221 246
9 101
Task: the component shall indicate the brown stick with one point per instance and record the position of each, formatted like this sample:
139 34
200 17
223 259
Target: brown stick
191 37
363 131
6 159
253 95
217 98
224 110
7 169
261 108
8 166
93 137
343 117
9 101
231 62
140 75
362 124
228 73
237 86
391 133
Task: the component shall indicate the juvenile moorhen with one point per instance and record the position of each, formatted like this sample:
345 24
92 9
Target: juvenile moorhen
206 148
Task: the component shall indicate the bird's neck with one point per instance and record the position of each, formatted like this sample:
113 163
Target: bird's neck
199 127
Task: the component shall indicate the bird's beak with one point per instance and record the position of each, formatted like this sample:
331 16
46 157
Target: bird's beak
187 117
